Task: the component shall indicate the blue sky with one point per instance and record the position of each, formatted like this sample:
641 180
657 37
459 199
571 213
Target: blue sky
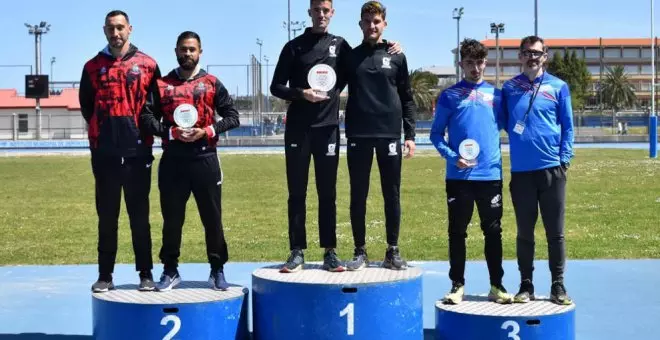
229 29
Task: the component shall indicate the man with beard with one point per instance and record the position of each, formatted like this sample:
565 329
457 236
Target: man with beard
379 102
190 160
113 90
540 128
471 111
312 129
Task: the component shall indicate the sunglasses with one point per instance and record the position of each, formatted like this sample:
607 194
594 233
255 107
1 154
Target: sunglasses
532 53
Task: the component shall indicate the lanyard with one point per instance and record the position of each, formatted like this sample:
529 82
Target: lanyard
531 100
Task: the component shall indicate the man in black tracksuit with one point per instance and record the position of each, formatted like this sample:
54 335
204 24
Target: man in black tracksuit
312 129
190 160
113 88
379 99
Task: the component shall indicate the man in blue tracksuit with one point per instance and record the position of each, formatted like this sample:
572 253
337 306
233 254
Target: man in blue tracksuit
540 128
470 110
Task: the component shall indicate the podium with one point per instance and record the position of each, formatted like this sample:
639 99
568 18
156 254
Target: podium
373 303
477 318
190 311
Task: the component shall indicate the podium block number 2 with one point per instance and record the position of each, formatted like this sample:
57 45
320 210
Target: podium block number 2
515 329
350 323
175 329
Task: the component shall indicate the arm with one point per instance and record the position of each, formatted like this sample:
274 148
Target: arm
500 109
437 136
343 66
86 96
224 106
565 116
151 114
407 102
282 74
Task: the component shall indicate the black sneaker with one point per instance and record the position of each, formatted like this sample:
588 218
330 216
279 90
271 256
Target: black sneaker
146 281
331 262
295 262
103 284
360 259
217 280
558 294
393 259
526 292
168 281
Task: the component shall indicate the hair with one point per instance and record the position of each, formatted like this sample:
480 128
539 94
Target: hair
311 2
188 35
116 13
471 48
532 39
373 8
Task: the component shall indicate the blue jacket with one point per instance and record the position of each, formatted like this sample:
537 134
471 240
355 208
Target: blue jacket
469 111
547 138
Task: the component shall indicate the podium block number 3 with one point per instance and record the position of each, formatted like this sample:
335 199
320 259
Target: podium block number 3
515 329
175 329
350 323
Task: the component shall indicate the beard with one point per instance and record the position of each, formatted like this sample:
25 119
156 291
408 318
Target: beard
117 42
186 63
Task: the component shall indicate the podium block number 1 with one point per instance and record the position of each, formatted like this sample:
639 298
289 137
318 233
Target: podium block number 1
350 323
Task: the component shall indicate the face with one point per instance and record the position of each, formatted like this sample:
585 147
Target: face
117 30
532 57
473 69
188 52
372 26
321 12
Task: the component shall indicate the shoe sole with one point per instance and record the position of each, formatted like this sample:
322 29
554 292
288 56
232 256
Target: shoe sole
450 302
561 303
531 298
392 267
287 270
335 270
173 285
500 300
146 289
355 269
95 290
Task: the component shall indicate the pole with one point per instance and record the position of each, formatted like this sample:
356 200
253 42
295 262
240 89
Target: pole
653 118
37 52
288 21
497 57
536 17
458 48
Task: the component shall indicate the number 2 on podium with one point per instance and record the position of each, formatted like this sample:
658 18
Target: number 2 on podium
175 329
349 311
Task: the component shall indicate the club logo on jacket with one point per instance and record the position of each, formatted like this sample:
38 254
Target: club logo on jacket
386 62
392 147
333 51
331 150
103 70
135 69
200 88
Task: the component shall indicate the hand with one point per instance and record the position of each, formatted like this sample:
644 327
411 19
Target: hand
394 47
193 135
179 133
463 164
313 96
409 145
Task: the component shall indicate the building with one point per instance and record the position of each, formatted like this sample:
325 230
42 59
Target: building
446 74
599 53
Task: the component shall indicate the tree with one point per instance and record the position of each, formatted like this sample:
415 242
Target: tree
423 85
617 91
574 72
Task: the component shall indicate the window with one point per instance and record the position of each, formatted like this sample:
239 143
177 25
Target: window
612 53
647 69
631 52
489 71
631 69
22 122
511 69
646 86
593 53
646 52
492 55
553 51
510 54
594 70
578 52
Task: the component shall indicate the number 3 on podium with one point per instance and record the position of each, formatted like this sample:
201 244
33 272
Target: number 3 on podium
515 329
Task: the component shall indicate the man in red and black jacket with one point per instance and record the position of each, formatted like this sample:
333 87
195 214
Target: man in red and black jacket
113 90
190 160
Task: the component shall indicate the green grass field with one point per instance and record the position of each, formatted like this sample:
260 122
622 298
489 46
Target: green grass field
47 212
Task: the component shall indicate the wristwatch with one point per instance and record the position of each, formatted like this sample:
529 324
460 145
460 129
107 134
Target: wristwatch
565 165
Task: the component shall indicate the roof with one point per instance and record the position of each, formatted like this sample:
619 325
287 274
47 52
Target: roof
68 99
589 42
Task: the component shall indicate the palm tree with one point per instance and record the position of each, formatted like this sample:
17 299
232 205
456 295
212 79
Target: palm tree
423 85
617 91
